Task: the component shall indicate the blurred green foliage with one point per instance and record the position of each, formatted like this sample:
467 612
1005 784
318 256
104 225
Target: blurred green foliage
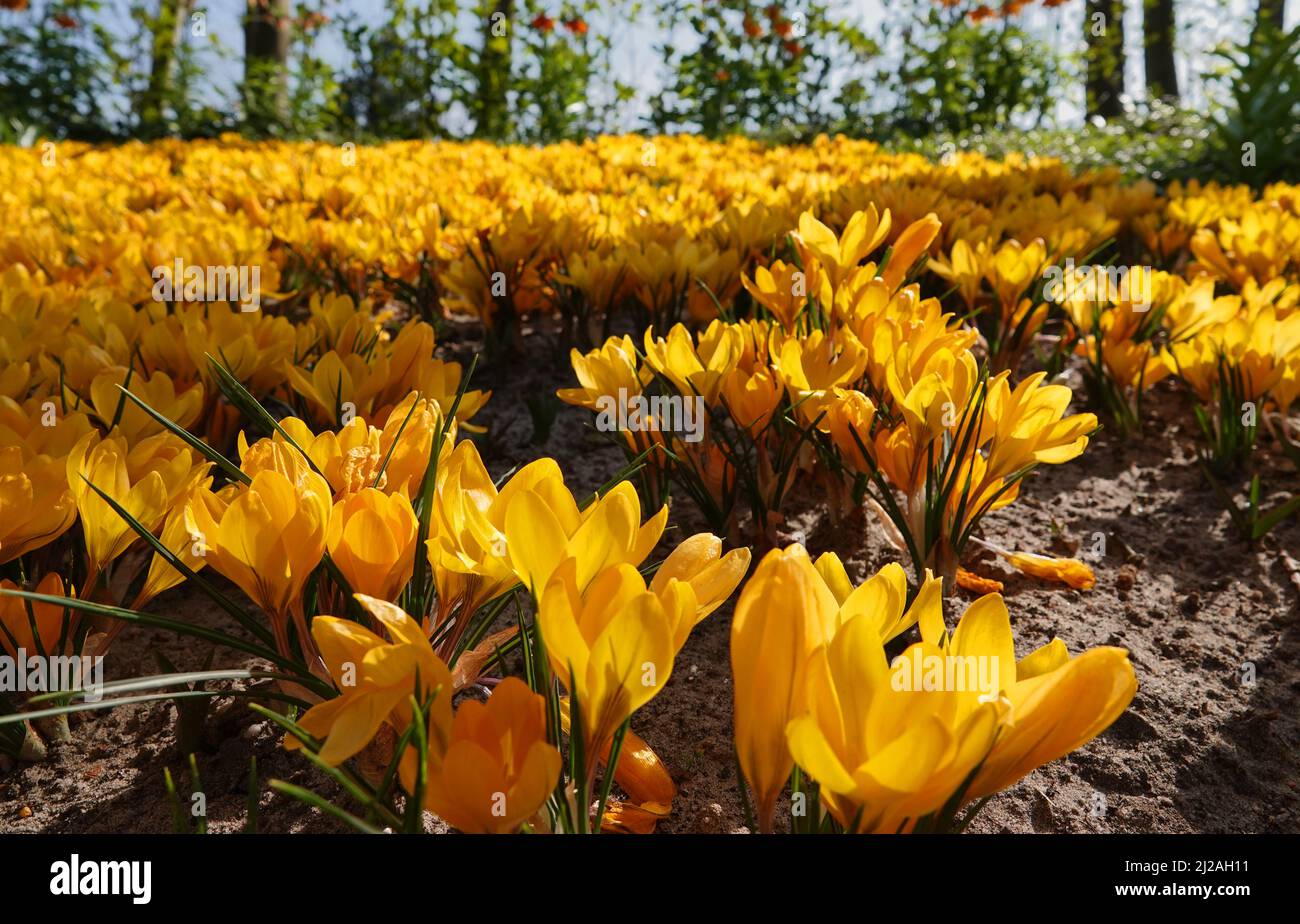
780 70
1255 137
958 76
1152 141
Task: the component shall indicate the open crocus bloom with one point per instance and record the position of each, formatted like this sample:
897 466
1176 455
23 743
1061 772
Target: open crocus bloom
953 718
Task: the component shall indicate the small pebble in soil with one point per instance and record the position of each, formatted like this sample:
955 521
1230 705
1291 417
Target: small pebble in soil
25 812
708 820
1125 580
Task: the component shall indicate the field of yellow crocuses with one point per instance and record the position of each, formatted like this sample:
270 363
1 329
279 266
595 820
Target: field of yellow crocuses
643 485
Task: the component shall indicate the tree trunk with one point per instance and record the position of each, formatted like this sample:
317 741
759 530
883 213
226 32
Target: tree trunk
1159 28
1270 14
1103 30
266 62
168 32
492 118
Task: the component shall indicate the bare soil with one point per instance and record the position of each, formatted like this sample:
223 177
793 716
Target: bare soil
1202 749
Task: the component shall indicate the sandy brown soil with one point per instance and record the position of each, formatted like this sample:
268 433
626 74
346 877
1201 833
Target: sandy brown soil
1199 750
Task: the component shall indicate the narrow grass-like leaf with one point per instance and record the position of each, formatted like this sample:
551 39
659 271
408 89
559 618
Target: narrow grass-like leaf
307 797
233 471
228 605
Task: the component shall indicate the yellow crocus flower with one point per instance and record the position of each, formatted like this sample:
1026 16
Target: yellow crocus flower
272 534
695 371
606 372
891 744
467 548
1055 703
914 241
498 769
883 757
848 420
882 598
785 612
146 497
375 678
177 538
1028 424
36 505
783 289
157 391
815 367
16 626
712 576
610 645
543 527
372 540
865 231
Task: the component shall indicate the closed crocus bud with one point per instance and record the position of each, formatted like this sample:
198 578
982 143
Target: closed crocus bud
498 769
372 540
467 550
895 453
180 538
104 464
406 442
610 645
914 241
784 613
752 399
271 536
15 626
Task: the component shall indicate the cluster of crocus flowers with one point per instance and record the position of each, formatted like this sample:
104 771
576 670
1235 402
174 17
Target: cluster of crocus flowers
610 639
1258 344
899 745
855 360
585 231
117 412
860 332
1010 314
579 230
